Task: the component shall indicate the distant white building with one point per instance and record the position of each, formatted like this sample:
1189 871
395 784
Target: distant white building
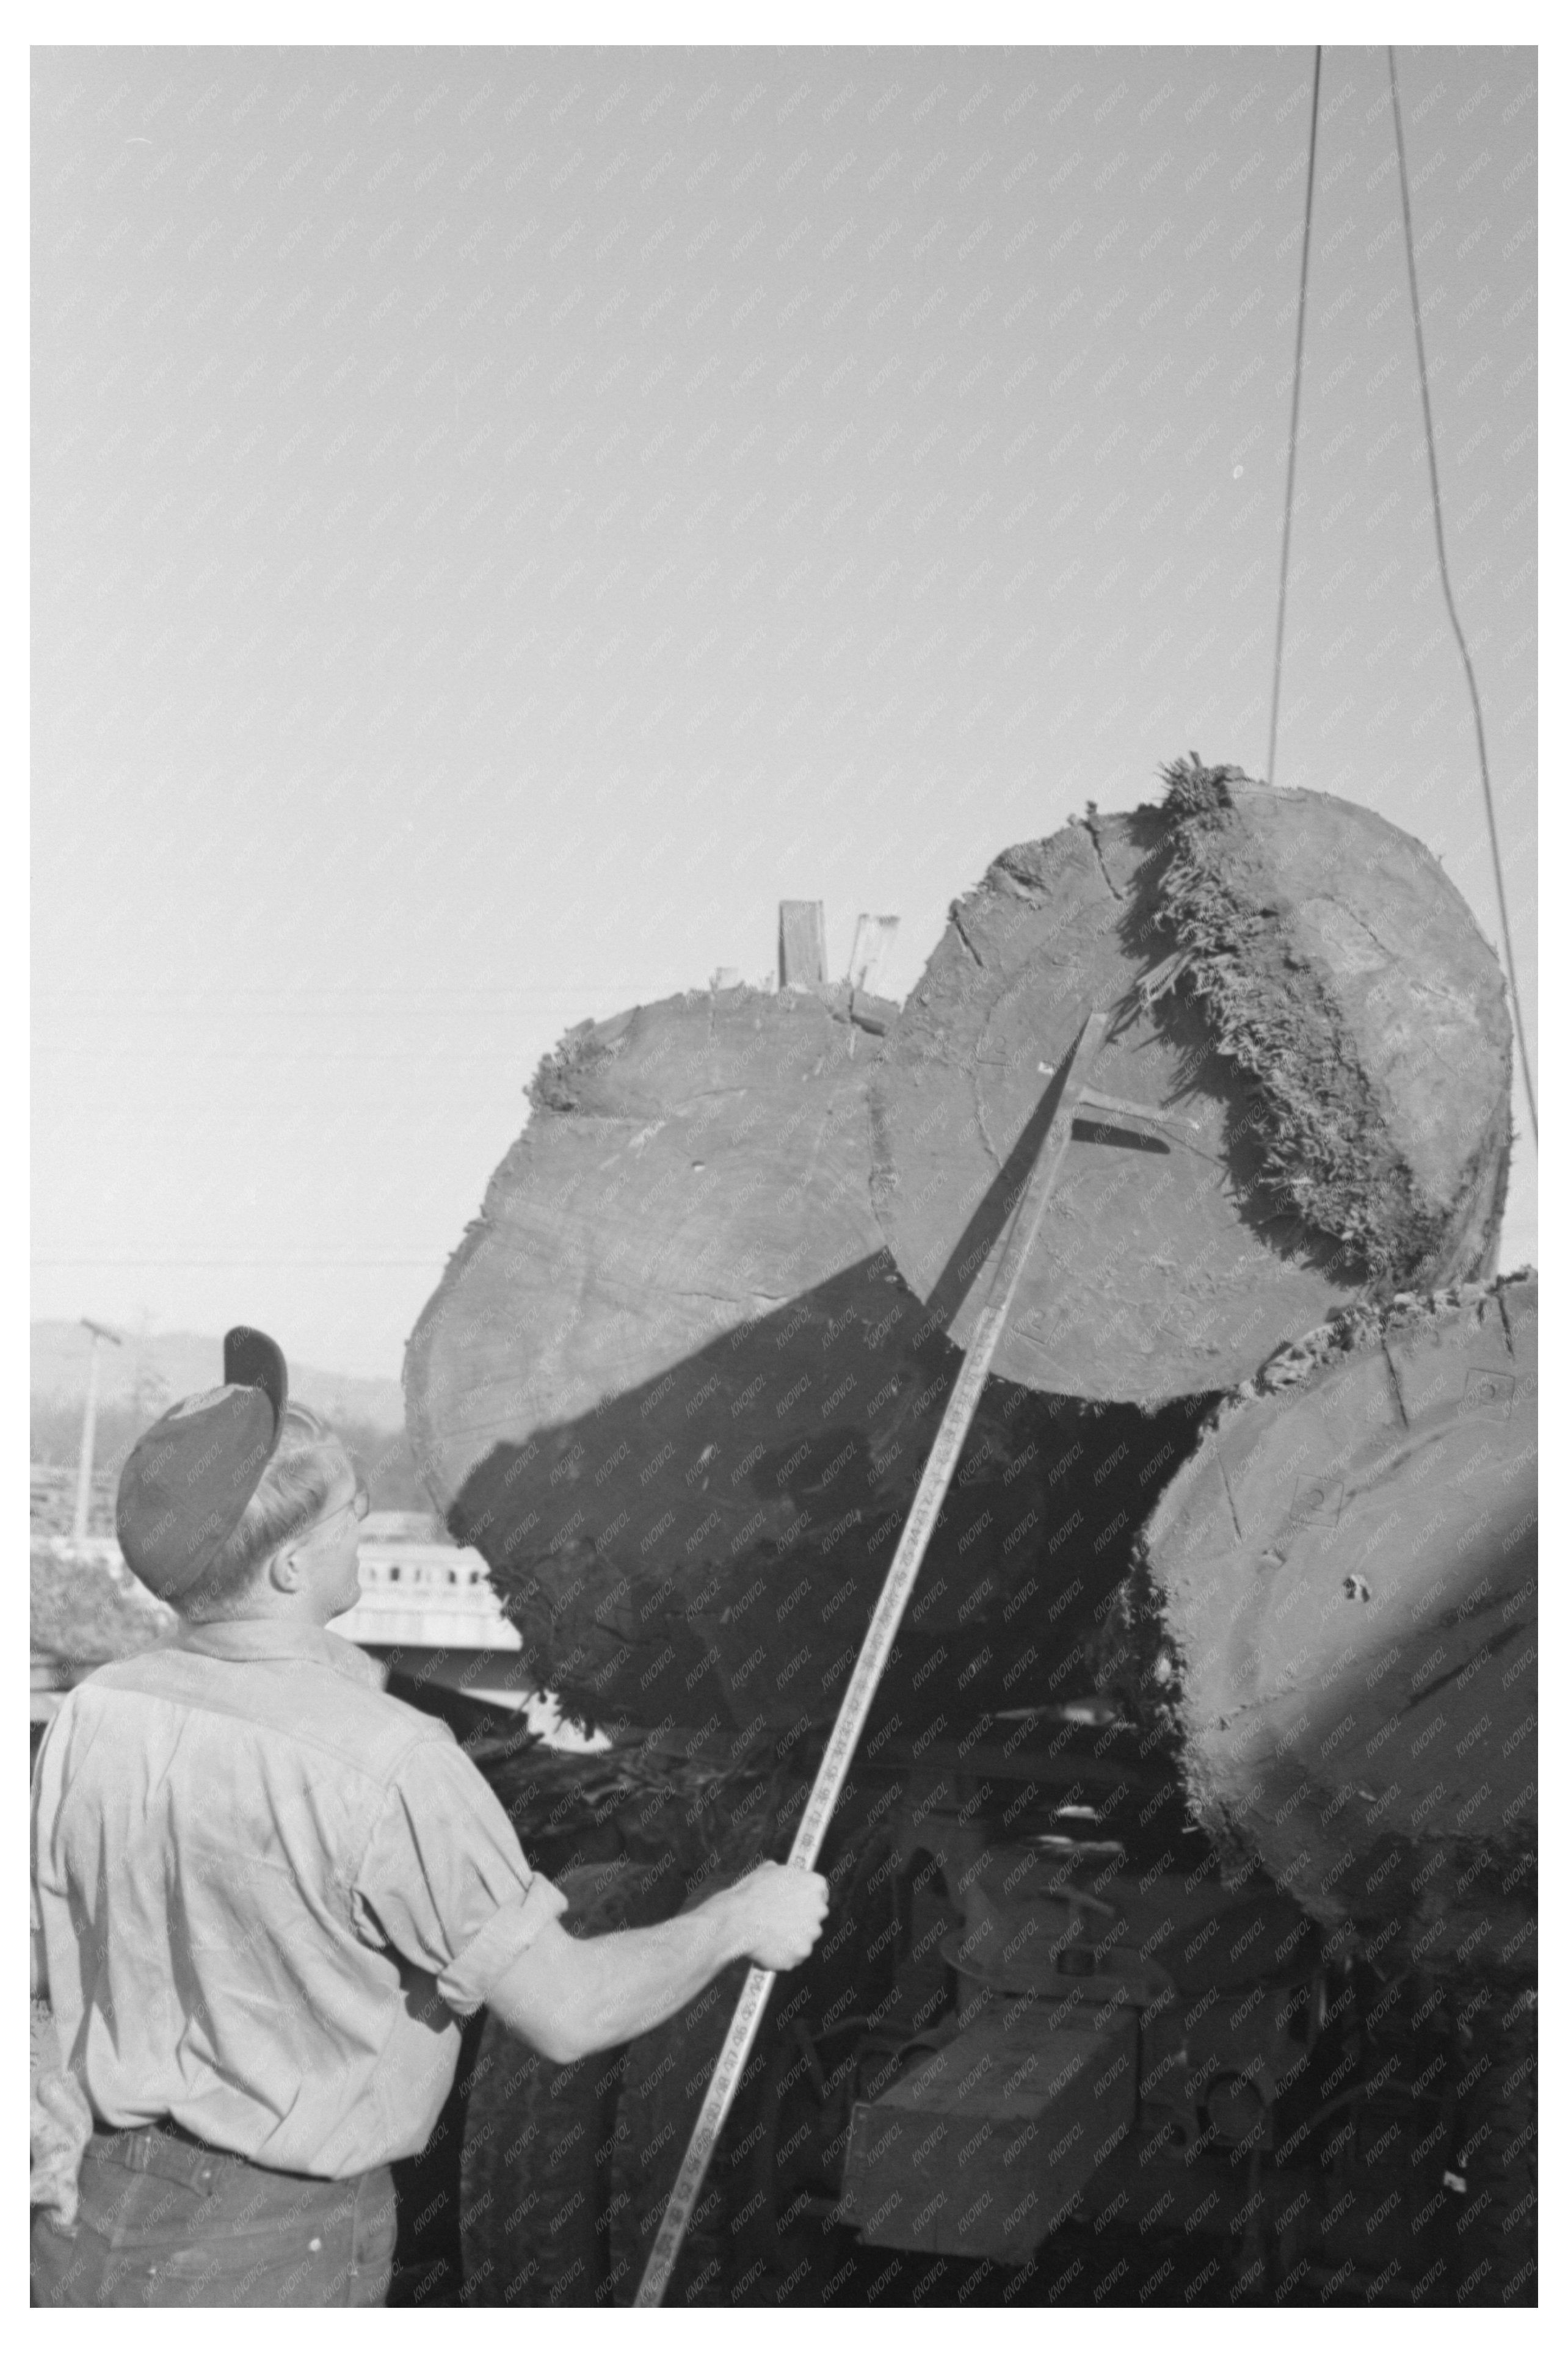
426 1609
432 1596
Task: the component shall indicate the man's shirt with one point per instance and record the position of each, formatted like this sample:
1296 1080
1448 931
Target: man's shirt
268 1895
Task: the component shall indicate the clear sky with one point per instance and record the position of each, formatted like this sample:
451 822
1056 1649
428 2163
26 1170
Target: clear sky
503 518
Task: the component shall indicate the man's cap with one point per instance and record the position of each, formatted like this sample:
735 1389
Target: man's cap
187 1479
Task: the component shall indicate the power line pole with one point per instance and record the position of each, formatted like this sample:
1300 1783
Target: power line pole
89 1426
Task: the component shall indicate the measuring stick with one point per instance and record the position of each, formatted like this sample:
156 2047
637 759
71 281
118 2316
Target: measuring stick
855 1705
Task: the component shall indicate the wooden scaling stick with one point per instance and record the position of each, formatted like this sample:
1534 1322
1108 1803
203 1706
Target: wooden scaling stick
874 1649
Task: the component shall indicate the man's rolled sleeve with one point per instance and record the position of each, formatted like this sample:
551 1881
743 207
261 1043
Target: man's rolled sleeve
444 1881
466 1986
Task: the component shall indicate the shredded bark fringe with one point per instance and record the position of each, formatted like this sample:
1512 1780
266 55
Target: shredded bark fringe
1330 1159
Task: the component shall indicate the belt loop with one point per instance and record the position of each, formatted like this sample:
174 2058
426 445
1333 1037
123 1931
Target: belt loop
146 2148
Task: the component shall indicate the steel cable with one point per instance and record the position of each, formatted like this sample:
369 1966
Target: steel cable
1453 610
1295 415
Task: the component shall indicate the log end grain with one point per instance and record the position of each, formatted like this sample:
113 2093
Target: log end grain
673 1388
1301 996
1344 1576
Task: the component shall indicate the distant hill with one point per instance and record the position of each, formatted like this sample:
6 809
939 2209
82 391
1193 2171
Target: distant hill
157 1368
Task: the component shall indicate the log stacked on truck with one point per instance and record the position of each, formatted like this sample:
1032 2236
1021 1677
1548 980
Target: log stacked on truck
1304 998
1337 1593
675 1389
676 1386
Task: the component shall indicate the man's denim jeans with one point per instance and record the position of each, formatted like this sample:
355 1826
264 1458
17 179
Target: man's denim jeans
166 2222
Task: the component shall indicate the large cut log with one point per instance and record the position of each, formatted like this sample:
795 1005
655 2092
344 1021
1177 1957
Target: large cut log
675 1389
1342 1578
1304 998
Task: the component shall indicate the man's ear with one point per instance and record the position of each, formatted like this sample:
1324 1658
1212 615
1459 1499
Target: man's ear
285 1570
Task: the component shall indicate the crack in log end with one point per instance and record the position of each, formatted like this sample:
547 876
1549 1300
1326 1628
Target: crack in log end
1468 1667
1393 1380
956 920
1225 1483
1501 1295
1092 829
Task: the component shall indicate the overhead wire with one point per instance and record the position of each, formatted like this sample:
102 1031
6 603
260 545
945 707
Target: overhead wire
1294 416
1453 609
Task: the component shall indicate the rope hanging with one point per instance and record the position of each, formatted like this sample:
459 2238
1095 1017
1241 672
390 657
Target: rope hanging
1294 416
1453 610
